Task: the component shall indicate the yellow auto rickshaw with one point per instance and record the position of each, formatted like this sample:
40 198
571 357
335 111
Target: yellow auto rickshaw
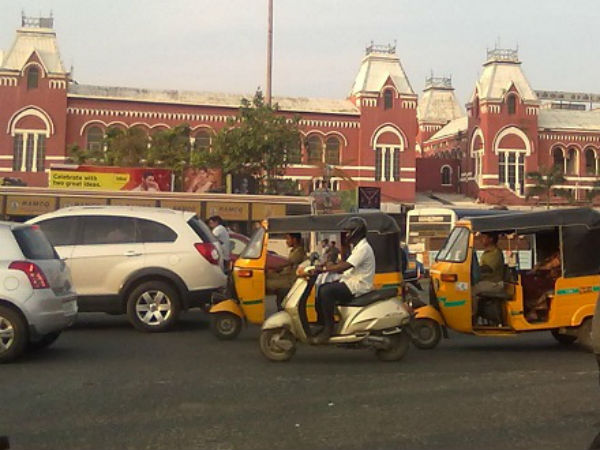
568 295
247 302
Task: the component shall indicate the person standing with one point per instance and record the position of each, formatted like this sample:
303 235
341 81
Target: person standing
333 254
222 235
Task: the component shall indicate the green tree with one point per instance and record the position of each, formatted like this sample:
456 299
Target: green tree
123 148
170 149
77 155
254 143
545 181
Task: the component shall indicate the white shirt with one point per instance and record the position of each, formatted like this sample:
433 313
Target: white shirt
359 278
222 236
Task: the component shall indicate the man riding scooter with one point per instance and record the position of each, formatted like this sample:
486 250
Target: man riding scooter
357 272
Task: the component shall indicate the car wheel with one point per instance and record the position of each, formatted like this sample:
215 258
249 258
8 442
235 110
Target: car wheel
398 347
225 326
153 306
45 341
13 334
565 339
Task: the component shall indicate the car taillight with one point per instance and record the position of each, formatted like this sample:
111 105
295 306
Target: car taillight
34 273
209 251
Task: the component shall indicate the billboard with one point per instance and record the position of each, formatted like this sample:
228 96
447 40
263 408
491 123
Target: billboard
201 179
103 178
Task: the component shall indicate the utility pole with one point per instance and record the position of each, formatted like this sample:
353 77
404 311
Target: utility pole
269 51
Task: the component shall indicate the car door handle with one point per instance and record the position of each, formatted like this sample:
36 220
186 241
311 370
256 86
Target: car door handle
132 253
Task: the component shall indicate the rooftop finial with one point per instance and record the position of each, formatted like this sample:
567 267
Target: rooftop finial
36 22
373 48
438 82
503 54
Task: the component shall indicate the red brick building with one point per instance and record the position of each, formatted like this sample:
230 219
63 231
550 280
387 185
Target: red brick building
509 130
369 137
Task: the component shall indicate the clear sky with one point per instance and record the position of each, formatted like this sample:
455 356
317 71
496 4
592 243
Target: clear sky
220 45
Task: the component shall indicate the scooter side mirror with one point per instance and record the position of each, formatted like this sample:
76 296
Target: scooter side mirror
314 257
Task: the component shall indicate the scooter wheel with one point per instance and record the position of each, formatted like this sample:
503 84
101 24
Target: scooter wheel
398 348
426 333
277 344
225 326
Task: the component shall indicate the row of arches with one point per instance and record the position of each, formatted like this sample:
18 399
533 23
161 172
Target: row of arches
314 149
569 160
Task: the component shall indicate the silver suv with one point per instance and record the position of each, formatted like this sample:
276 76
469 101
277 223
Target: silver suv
36 298
148 263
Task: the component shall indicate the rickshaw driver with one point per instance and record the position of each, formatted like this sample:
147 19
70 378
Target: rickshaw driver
491 268
358 272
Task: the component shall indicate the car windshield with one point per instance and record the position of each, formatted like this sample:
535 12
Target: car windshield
455 247
254 248
33 243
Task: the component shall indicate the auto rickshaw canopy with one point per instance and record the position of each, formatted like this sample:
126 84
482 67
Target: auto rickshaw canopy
579 231
383 233
377 222
586 217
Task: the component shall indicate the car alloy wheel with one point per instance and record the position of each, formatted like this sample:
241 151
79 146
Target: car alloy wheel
7 334
153 307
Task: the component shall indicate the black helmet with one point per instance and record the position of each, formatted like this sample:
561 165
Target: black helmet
356 228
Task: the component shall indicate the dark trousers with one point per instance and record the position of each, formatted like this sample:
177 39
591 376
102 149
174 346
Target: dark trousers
328 295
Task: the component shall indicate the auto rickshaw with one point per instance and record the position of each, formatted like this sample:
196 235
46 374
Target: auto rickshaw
573 235
247 304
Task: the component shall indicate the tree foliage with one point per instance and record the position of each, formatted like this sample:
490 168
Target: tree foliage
254 143
545 181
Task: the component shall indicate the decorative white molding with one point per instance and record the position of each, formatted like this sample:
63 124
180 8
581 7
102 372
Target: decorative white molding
31 110
58 84
9 81
409 104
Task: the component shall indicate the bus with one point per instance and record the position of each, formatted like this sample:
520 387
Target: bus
428 228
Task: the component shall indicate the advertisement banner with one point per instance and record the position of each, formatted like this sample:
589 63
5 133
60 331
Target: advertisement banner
201 180
102 178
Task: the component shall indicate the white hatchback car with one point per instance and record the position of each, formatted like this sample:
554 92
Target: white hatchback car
148 263
36 297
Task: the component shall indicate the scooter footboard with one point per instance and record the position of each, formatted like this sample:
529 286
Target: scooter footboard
280 319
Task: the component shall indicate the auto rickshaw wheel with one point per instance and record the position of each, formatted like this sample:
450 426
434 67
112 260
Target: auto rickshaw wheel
398 347
277 344
565 339
426 333
584 334
225 326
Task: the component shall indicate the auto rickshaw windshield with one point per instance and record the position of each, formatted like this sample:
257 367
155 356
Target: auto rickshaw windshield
456 246
254 248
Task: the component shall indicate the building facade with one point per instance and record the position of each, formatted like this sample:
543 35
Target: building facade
367 139
371 138
510 130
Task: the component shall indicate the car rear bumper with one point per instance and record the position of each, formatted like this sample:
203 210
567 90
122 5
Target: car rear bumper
49 313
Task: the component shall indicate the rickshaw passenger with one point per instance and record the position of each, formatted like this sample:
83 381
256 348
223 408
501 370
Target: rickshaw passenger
280 281
538 283
358 272
491 270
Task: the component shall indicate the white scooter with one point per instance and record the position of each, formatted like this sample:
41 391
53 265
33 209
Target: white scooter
377 320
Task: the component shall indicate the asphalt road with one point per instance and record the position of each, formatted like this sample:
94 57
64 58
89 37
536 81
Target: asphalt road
104 385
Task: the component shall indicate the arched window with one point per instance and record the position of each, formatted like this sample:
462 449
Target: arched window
446 176
572 162
388 99
511 103
95 136
33 74
476 107
558 158
332 151
202 141
294 154
388 146
314 147
590 162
